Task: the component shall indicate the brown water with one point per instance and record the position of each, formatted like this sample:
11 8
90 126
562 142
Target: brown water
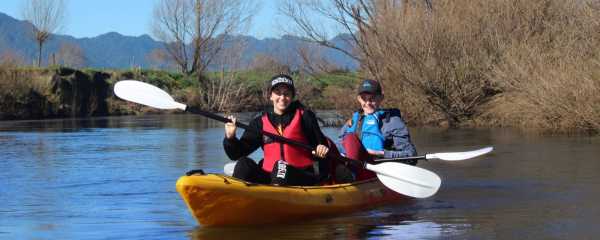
114 178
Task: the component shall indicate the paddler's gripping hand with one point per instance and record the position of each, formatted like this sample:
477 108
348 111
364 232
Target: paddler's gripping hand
321 151
230 128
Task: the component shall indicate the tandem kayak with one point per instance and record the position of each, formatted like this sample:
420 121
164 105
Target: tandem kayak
220 200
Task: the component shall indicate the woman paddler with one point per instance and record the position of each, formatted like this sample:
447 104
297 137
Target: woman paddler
283 164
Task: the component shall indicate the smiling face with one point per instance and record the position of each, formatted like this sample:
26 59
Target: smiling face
281 97
369 102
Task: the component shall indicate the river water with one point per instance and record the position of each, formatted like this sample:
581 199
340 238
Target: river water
114 178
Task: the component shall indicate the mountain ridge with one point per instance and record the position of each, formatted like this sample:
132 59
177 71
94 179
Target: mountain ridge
117 51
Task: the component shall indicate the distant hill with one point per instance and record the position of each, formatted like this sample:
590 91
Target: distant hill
113 50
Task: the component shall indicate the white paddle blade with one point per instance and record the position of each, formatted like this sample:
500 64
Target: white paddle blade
146 94
457 156
406 179
228 168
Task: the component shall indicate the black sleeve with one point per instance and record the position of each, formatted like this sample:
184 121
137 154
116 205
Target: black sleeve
250 141
315 137
312 130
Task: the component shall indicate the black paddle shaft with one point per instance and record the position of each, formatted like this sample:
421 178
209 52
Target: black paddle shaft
400 159
248 128
284 139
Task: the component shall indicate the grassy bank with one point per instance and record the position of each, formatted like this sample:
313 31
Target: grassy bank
35 93
554 102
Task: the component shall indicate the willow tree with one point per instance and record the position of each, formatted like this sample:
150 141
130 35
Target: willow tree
71 55
433 56
47 17
195 31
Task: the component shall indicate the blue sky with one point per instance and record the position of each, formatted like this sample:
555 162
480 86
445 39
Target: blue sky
90 18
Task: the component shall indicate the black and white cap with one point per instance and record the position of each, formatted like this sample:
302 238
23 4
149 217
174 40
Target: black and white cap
282 79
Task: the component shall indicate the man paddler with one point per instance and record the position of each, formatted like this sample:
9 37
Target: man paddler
374 132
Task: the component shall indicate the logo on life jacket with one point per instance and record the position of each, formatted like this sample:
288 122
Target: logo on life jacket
281 169
371 122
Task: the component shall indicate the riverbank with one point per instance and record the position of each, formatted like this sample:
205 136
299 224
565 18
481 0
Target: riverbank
57 92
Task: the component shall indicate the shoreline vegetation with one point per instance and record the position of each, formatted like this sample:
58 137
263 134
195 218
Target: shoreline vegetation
532 65
62 92
59 92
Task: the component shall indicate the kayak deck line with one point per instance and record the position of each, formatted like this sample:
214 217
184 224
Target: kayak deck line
219 200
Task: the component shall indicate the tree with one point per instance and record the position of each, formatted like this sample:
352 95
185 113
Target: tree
427 50
159 58
47 17
268 64
9 58
313 61
195 31
349 15
225 92
71 55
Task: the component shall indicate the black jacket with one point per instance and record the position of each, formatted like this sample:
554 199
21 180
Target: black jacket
250 141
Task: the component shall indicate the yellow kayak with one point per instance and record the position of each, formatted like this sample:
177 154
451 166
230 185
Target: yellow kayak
220 200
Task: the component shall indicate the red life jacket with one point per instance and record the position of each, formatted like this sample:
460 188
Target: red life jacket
293 155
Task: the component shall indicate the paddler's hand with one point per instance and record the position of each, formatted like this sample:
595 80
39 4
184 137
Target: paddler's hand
321 151
230 128
375 153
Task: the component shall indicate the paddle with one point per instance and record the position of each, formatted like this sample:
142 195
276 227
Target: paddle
448 156
402 178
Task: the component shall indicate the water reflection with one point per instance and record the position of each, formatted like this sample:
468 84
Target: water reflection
418 230
347 227
368 225
113 178
131 122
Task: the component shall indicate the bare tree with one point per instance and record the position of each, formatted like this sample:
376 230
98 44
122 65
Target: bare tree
9 58
47 17
349 15
409 46
313 61
357 19
159 58
194 31
71 55
225 92
268 64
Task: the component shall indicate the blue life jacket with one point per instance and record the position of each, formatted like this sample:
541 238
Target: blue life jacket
370 129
